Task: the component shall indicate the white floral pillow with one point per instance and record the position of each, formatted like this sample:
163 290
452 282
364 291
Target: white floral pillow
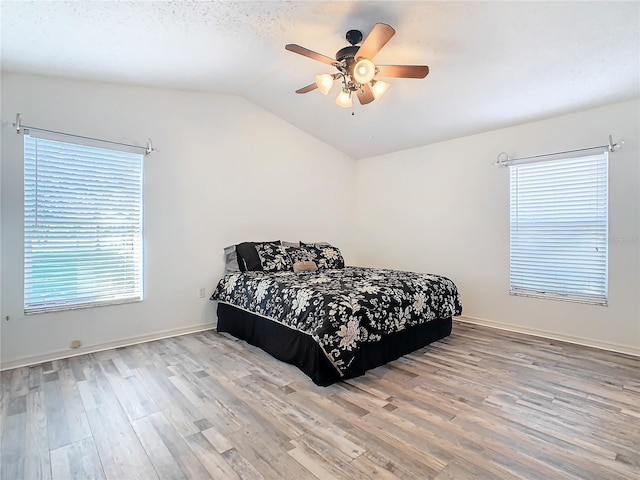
273 257
298 254
325 256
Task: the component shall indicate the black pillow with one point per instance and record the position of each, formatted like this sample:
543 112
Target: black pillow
248 258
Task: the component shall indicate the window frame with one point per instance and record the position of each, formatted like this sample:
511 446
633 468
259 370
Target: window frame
117 283
585 193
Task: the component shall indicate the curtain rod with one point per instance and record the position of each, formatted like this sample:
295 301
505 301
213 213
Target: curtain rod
503 159
18 126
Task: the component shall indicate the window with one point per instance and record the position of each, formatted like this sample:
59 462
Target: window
559 217
82 226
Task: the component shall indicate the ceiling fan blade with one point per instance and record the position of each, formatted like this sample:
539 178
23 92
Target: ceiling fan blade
292 47
402 71
377 38
366 95
308 88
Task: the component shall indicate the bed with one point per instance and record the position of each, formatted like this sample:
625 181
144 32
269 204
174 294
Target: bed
333 322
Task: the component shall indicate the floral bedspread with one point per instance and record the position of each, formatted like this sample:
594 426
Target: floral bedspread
342 308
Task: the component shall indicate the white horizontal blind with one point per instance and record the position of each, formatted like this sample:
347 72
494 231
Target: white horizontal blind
559 232
82 226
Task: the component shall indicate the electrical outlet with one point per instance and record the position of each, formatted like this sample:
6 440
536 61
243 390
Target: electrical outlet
75 343
202 292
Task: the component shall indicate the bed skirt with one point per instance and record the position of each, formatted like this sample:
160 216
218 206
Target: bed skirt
299 349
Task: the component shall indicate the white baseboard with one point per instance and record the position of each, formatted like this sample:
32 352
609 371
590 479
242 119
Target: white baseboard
587 342
98 347
67 353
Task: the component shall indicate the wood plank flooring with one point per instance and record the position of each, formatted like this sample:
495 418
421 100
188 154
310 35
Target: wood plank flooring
481 404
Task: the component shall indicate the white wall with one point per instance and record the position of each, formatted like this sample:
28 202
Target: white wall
226 171
444 208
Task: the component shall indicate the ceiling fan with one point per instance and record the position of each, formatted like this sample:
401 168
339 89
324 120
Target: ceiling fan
356 70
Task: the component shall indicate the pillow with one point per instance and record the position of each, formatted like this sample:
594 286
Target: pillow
231 264
291 244
325 255
307 266
298 254
273 258
248 259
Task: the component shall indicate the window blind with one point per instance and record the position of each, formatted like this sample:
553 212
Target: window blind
82 226
559 229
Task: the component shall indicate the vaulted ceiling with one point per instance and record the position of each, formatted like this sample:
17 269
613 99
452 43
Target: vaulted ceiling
492 64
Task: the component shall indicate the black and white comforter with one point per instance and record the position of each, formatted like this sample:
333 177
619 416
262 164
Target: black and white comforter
342 308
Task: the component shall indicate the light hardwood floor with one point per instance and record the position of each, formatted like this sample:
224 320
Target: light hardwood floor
481 404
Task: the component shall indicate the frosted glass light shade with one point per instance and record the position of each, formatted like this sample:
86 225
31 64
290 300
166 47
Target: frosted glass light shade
378 88
324 83
364 70
344 99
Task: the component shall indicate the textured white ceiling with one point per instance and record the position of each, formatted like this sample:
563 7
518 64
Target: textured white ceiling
493 64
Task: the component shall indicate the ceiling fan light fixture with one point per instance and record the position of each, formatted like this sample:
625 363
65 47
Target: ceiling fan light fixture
344 99
363 71
324 83
378 88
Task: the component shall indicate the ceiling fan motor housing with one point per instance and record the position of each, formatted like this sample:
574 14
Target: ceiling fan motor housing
347 53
